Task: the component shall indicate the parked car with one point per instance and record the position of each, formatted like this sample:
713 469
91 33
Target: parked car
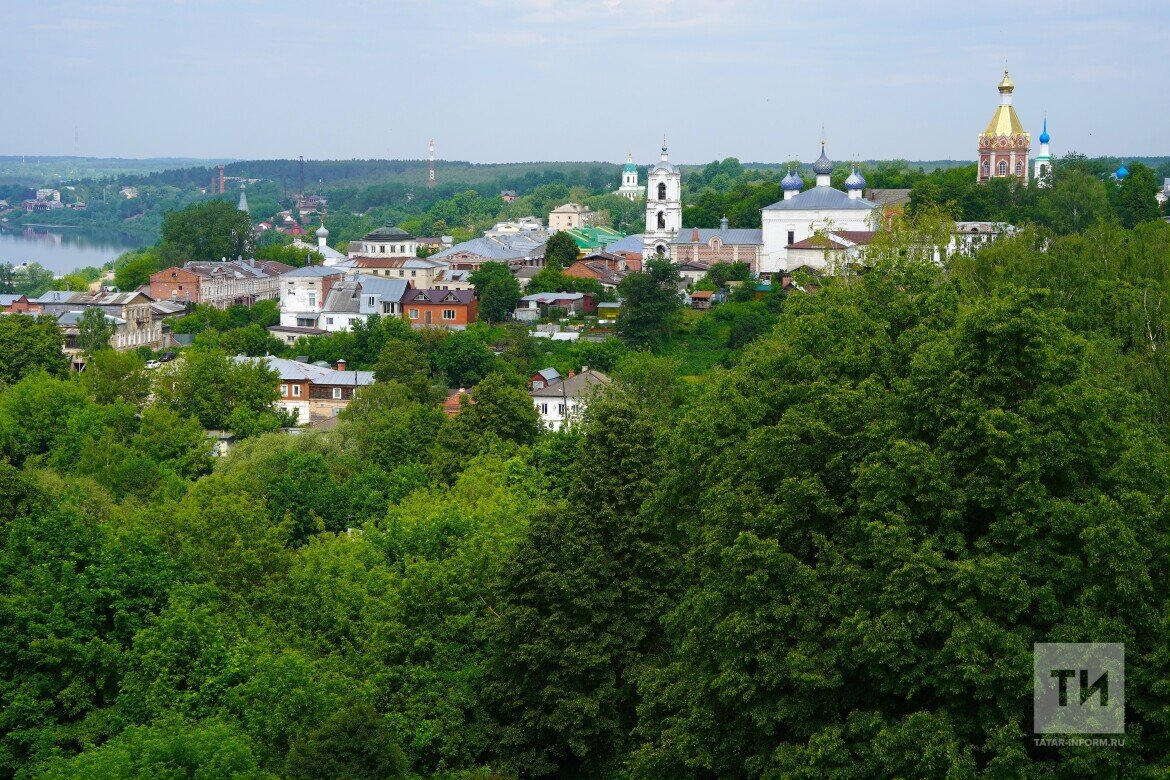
166 357
153 364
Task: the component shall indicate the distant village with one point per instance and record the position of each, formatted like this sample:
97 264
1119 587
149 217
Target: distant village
427 280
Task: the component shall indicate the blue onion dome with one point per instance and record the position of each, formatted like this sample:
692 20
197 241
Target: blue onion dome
1044 133
823 166
791 181
1122 172
855 181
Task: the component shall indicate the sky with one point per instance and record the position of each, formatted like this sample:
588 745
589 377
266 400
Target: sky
524 80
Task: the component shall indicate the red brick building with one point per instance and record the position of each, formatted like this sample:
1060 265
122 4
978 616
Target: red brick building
18 304
455 309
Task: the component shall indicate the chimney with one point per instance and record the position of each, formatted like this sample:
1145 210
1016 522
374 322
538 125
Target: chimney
723 223
584 369
341 364
694 235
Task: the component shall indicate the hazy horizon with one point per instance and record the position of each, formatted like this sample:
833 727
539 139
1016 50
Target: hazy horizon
500 81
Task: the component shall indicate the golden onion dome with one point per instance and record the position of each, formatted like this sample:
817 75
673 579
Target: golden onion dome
1006 86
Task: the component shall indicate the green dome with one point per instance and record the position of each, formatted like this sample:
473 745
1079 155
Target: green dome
630 168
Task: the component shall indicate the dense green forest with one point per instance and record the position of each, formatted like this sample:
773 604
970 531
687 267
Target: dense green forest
825 551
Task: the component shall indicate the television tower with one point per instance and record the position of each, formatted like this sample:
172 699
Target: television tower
431 168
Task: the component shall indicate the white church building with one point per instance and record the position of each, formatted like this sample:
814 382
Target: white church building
821 209
630 188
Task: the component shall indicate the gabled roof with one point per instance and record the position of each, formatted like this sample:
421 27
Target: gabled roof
311 272
8 299
549 374
628 244
295 371
822 199
386 288
502 247
343 298
74 317
553 297
456 297
365 261
55 296
835 239
575 386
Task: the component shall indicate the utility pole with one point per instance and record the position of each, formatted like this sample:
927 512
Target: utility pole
302 176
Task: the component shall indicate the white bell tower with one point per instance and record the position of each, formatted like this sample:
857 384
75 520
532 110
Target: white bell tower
663 207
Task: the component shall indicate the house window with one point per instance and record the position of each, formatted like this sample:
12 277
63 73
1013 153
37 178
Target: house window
414 314
296 391
448 314
544 409
284 390
312 300
538 384
370 301
791 236
414 273
337 394
561 409
328 320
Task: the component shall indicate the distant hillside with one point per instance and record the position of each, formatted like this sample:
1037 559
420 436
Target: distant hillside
33 171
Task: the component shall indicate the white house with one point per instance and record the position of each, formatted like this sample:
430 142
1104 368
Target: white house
562 402
303 292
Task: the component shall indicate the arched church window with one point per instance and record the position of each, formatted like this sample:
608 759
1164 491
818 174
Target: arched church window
1002 168
662 220
1019 169
986 168
661 250
661 191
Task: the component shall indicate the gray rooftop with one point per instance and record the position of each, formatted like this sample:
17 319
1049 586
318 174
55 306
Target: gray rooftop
627 244
575 386
311 271
292 370
503 247
822 199
729 236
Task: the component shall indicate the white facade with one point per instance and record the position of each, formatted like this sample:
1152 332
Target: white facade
302 295
387 241
663 207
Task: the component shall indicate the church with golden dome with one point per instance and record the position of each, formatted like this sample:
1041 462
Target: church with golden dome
1004 144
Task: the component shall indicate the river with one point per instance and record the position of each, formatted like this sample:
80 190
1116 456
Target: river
62 249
